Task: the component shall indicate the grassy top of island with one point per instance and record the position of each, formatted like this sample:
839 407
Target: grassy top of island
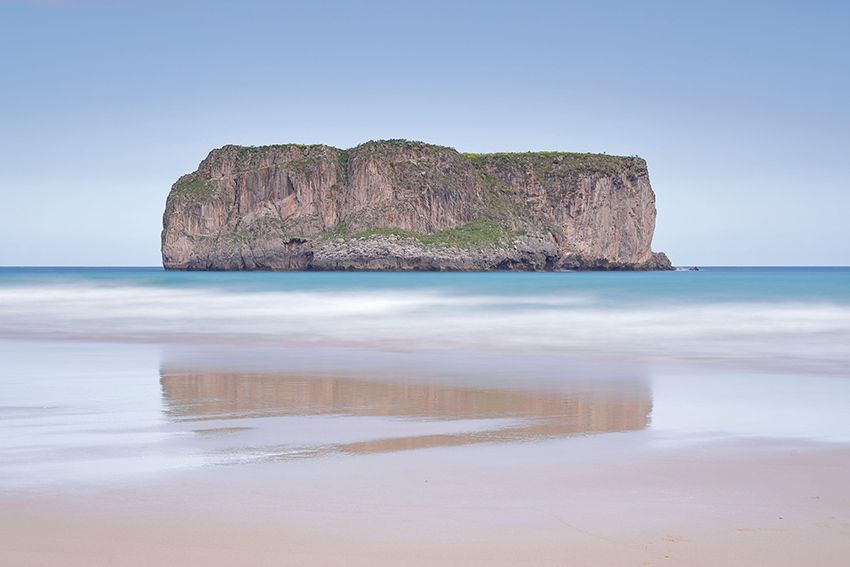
579 161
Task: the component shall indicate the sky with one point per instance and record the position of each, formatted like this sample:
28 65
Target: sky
741 109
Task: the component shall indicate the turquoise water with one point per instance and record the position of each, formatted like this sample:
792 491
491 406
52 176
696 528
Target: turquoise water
794 316
708 285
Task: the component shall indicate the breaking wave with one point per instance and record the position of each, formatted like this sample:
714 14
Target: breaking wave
812 333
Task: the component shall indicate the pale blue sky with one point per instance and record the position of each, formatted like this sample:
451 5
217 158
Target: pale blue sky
741 109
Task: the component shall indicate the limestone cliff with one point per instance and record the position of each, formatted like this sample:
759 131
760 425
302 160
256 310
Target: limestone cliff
399 205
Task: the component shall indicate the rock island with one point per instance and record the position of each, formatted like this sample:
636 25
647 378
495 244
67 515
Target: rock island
402 205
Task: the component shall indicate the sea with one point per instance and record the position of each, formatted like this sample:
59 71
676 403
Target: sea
791 317
111 375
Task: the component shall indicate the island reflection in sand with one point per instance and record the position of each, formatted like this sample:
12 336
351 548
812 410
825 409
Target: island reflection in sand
410 415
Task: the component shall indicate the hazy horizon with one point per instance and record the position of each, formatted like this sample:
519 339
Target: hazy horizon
740 111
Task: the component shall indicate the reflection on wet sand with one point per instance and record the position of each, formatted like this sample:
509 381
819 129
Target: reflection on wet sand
507 415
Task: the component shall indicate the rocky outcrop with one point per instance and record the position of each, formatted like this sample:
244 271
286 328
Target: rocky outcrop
399 205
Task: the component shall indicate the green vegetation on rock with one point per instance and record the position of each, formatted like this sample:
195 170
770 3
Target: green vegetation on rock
197 189
296 156
339 231
541 163
478 234
546 163
381 231
481 233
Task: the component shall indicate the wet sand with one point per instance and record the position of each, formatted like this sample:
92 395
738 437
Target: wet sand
119 455
592 502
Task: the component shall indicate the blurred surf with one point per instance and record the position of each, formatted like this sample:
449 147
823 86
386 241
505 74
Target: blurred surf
790 315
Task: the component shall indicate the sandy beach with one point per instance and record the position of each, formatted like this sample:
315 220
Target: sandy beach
343 457
595 502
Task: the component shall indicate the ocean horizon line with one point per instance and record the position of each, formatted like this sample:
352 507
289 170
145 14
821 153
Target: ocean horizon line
156 267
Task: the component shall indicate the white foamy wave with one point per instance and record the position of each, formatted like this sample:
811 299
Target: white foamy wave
812 333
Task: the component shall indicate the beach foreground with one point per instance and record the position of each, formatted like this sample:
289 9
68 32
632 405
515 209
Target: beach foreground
601 503
669 418
144 455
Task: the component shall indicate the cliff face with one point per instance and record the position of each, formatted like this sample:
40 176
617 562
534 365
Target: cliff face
398 205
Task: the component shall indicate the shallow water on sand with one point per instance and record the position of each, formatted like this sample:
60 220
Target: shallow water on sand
97 412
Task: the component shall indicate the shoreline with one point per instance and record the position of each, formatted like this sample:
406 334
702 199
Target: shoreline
135 454
606 499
